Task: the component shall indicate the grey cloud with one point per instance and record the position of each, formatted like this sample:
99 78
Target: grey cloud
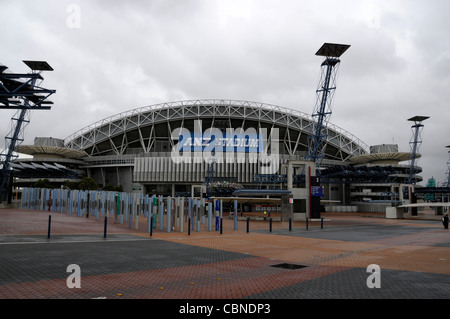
129 54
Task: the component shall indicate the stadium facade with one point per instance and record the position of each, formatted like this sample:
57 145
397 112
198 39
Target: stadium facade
199 147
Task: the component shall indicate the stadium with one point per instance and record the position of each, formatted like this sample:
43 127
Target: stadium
142 139
261 153
134 149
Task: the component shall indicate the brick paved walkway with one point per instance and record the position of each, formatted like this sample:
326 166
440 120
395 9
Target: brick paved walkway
413 255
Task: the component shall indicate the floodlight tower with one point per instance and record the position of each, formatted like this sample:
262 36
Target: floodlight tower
415 142
210 177
447 180
22 92
324 95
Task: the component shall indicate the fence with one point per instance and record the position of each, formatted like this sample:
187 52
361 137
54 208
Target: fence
168 213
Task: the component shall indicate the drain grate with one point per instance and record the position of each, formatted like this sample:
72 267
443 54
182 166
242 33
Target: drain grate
289 266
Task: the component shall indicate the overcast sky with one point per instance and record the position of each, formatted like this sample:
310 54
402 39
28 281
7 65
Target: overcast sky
112 56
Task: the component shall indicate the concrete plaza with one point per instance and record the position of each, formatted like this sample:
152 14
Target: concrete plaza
413 255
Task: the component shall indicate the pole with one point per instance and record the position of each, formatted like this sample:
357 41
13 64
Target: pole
321 223
306 223
149 218
104 228
194 200
248 222
309 190
203 210
270 224
49 199
235 214
209 216
217 214
290 224
181 219
189 215
161 213
151 228
221 221
169 212
155 209
120 210
49 225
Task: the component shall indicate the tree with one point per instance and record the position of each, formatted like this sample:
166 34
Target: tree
88 183
71 185
112 188
43 183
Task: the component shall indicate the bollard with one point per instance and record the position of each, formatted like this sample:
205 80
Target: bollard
203 210
306 223
321 223
181 218
49 200
270 224
49 225
217 214
290 224
169 213
189 214
209 217
104 228
151 228
221 225
248 224
161 214
136 221
149 221
154 220
118 203
155 209
194 212
235 215
129 220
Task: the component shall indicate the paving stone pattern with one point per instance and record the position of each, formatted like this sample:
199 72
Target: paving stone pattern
413 256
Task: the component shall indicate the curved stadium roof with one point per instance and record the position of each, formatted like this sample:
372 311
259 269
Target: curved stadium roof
393 158
140 128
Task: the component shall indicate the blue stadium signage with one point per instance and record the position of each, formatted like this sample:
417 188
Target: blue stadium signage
216 141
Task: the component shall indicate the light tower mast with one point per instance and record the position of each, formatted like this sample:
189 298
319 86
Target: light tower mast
324 96
416 141
210 177
447 180
22 92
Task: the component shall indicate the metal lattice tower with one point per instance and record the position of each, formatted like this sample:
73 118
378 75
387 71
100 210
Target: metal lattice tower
210 177
20 91
324 96
416 141
447 180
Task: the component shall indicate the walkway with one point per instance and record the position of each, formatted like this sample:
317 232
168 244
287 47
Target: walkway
413 256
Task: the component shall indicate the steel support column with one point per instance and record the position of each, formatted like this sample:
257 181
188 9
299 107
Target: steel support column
416 141
324 95
20 91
